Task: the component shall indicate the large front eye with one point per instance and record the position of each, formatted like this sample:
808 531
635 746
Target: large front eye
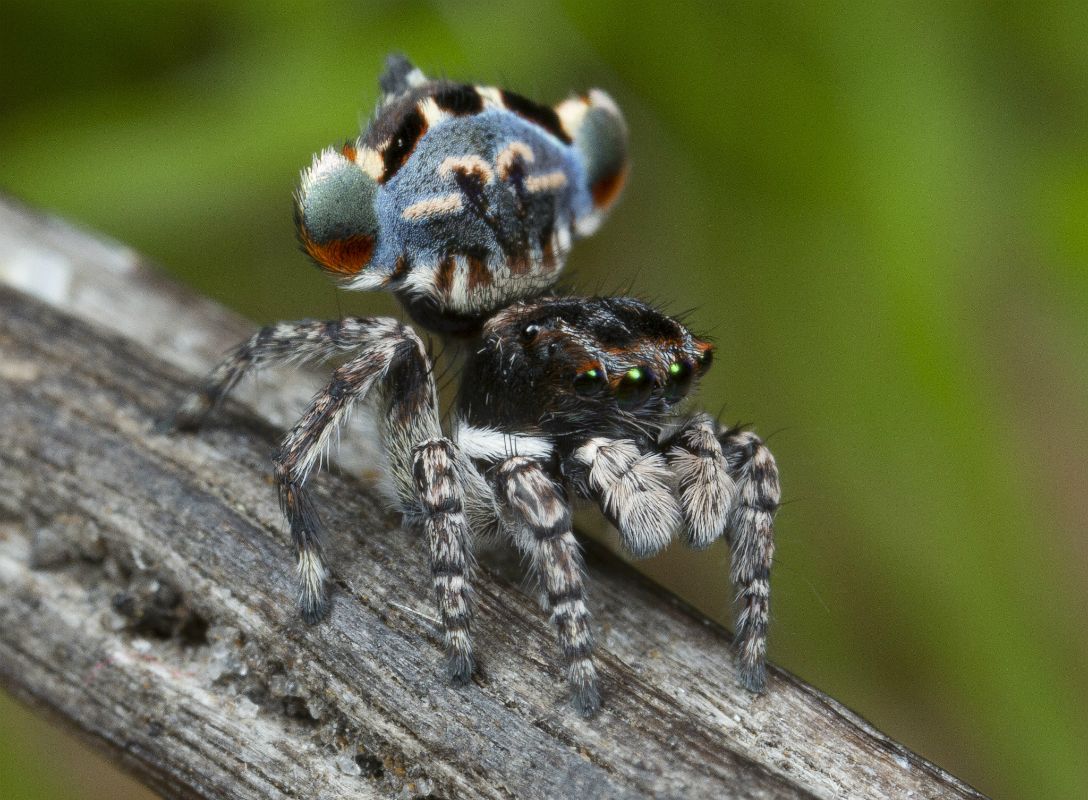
679 382
590 382
634 387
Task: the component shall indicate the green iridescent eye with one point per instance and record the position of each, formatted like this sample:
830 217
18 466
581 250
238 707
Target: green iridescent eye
634 387
590 382
679 383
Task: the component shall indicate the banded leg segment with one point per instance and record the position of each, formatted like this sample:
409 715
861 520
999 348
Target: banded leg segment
751 540
282 343
545 535
442 499
705 488
389 348
634 491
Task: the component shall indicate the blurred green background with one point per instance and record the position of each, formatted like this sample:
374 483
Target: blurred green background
877 209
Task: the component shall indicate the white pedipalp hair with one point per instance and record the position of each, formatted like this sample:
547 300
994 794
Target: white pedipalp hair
491 444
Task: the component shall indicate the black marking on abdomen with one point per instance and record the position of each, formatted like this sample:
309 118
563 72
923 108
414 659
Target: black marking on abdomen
543 116
403 142
458 99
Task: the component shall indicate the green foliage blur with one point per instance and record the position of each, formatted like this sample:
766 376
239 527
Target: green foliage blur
877 209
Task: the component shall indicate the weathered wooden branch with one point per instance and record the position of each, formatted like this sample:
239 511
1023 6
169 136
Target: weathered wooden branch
146 585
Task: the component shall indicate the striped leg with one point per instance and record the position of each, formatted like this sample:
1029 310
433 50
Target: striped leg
283 342
633 489
545 535
751 539
391 356
706 490
442 499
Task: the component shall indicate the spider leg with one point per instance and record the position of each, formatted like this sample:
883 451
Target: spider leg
282 342
392 358
392 363
704 485
442 498
751 540
634 490
308 439
544 533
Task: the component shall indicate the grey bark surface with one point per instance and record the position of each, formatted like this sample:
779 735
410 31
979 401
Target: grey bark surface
146 597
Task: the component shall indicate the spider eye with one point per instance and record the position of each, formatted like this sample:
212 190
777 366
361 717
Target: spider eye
706 358
529 332
679 383
634 387
590 382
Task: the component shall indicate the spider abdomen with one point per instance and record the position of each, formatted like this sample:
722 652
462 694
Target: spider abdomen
492 222
461 198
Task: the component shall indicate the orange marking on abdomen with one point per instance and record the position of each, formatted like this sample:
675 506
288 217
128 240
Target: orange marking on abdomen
443 278
341 256
607 189
478 273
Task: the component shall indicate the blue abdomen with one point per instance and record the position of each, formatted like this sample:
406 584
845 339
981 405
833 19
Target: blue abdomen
483 201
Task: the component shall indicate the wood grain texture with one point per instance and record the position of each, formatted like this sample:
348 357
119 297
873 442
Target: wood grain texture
146 588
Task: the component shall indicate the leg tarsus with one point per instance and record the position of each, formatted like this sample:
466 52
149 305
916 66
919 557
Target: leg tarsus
193 411
460 667
172 424
311 570
586 696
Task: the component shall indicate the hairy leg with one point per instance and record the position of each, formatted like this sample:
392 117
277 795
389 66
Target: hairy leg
545 535
392 360
282 342
442 500
633 489
751 539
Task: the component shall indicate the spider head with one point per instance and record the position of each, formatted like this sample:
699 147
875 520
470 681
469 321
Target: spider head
603 366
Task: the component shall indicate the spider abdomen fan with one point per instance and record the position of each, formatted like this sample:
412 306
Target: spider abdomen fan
460 197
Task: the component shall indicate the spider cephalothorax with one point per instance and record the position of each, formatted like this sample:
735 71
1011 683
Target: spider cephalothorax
463 200
610 366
